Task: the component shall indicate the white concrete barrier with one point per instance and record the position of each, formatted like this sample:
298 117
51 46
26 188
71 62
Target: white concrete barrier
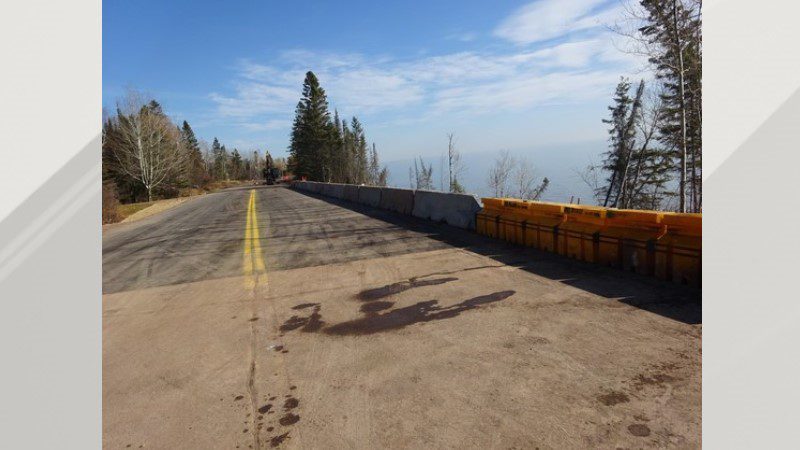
457 210
397 200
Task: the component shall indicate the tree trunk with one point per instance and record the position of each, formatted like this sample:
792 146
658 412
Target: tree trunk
679 50
610 187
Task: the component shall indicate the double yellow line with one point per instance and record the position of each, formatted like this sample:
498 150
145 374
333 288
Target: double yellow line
253 261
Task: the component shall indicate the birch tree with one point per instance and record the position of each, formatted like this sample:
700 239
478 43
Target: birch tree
523 180
147 146
454 165
499 174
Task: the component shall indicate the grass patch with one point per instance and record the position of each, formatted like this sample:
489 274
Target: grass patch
126 210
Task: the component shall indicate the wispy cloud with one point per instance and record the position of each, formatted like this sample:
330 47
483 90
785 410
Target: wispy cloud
571 68
548 19
253 98
273 124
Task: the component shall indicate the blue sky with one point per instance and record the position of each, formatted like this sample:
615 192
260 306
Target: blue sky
514 75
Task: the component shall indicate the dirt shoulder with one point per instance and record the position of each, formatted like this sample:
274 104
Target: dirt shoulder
155 208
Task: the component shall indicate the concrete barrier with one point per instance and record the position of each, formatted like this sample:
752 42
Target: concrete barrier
457 210
327 190
336 190
397 200
369 196
350 193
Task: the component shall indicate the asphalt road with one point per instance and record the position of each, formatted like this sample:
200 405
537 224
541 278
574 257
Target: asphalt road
265 317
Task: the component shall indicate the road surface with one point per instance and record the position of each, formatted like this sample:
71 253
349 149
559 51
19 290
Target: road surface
265 317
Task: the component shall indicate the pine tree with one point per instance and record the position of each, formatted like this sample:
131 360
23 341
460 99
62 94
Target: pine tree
220 155
155 108
359 142
195 165
328 150
339 166
624 113
311 132
236 165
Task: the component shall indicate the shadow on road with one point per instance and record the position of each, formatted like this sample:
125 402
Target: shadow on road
677 302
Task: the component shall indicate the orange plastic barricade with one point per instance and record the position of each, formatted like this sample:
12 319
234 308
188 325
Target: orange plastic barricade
541 225
679 252
629 239
578 236
487 220
512 221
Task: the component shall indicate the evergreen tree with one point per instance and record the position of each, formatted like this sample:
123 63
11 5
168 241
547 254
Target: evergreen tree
325 149
220 155
311 132
672 29
338 155
154 107
359 152
195 165
348 155
237 165
624 113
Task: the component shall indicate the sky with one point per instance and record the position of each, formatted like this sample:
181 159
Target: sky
529 77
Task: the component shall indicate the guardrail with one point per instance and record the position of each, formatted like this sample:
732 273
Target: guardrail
457 210
655 243
661 244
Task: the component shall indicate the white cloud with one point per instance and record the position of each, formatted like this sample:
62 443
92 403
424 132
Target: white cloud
254 98
273 124
574 68
547 19
572 54
523 91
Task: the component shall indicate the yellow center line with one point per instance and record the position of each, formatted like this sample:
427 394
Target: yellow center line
253 261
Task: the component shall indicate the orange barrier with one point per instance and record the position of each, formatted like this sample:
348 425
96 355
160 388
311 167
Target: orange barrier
654 243
579 235
542 225
679 252
628 240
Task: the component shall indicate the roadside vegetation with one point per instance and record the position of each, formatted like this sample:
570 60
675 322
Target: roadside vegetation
329 149
147 156
654 160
